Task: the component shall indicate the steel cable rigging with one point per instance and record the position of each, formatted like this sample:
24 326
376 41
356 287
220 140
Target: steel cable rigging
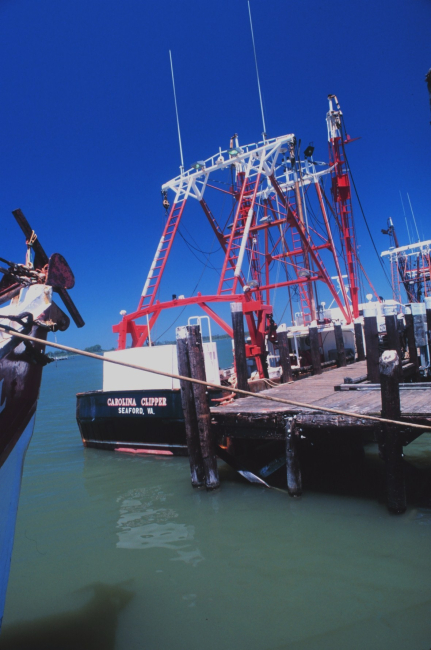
363 213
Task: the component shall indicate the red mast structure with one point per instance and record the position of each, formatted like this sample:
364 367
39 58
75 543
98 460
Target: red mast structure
342 197
270 233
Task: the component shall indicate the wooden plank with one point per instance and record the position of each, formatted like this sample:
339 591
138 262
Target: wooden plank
415 387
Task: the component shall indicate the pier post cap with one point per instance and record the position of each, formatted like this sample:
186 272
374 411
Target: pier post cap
390 310
428 302
282 328
181 332
370 312
388 362
418 308
236 306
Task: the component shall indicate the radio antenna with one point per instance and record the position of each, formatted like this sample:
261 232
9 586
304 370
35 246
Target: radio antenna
257 73
176 111
413 215
405 217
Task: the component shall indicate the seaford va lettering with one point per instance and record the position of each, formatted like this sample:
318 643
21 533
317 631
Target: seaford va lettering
130 401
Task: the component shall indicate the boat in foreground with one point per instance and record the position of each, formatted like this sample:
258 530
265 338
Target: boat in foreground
27 307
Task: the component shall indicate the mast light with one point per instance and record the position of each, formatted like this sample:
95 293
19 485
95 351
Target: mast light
198 165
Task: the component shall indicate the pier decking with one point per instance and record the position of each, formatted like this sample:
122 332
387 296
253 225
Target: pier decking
252 417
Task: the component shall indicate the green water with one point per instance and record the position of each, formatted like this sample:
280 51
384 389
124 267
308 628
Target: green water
119 552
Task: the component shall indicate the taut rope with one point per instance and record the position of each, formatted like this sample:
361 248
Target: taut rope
238 391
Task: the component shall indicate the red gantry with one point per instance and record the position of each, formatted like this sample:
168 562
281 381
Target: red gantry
285 231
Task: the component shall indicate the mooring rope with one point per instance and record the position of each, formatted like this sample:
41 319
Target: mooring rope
208 384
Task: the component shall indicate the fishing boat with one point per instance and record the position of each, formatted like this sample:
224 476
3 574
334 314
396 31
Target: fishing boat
27 307
291 215
137 410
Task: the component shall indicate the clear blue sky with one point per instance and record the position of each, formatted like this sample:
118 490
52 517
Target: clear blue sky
89 132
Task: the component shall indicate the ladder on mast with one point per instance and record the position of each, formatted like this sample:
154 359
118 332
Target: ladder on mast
155 273
231 271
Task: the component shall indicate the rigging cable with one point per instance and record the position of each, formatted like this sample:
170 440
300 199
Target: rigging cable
185 307
176 111
257 74
190 247
363 214
197 284
196 248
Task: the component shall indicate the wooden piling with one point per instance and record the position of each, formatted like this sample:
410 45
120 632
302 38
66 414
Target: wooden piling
428 314
391 409
197 471
410 332
393 338
359 340
339 342
372 345
315 350
239 343
420 330
293 468
283 348
197 368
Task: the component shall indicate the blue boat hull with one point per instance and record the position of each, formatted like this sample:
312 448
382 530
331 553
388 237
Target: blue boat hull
10 484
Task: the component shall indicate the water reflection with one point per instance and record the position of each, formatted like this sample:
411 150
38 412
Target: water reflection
91 626
145 522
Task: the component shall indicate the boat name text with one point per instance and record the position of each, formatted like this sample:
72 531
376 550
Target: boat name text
130 401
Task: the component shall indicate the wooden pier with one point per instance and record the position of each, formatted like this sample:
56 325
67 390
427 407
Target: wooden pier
341 389
251 417
371 400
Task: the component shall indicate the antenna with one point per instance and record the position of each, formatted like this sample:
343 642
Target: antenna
176 111
257 73
405 217
413 215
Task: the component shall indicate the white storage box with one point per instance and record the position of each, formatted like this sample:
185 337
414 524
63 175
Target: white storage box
157 357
